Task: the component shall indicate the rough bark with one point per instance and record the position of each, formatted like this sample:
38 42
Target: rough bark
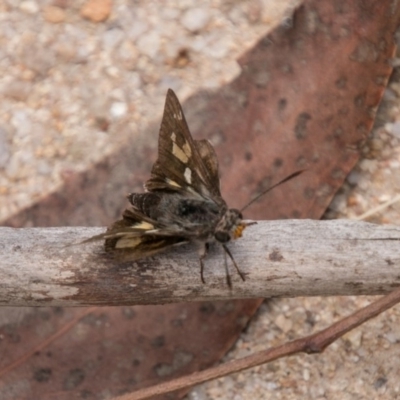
285 258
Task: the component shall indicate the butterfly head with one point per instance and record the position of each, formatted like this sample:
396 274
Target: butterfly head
231 226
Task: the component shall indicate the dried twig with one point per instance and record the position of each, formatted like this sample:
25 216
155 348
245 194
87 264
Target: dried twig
280 258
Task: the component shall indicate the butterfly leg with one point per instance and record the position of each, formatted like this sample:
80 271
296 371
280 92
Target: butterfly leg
202 253
227 251
228 277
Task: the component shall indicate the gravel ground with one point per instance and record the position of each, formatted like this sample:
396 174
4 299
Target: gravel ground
68 83
73 72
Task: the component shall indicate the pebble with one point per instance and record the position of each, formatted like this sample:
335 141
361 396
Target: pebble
306 374
112 38
96 10
29 7
354 177
5 148
339 203
118 109
149 44
54 14
195 19
17 90
218 48
393 336
367 165
283 323
354 337
393 128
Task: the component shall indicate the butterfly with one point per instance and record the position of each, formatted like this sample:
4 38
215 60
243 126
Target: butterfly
182 201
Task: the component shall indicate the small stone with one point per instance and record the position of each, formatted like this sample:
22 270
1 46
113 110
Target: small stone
283 323
355 338
389 95
393 129
96 10
195 19
384 198
44 168
169 13
352 201
271 386
13 167
29 7
367 165
28 75
17 90
113 71
254 11
338 203
354 178
118 109
306 374
61 3
220 49
149 44
66 51
128 54
112 38
21 122
376 144
394 164
5 149
137 29
53 14
392 336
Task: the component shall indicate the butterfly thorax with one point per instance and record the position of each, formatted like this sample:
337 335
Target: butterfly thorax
204 220
190 217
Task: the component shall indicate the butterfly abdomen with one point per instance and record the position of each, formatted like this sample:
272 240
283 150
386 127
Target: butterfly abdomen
146 203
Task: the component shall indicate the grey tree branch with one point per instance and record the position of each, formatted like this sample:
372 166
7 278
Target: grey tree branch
285 258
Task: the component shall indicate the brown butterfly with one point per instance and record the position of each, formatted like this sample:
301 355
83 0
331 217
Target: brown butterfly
182 200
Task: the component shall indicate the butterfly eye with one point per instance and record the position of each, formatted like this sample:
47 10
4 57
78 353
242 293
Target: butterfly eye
222 237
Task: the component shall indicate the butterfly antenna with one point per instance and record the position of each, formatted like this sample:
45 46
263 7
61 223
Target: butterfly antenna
288 178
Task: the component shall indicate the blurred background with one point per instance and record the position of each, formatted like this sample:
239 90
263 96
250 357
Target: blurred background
82 89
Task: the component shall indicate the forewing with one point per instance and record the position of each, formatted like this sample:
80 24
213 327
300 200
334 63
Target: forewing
183 164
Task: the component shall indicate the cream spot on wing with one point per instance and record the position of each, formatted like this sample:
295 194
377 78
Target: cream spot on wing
188 176
187 150
126 242
179 154
178 116
143 225
171 182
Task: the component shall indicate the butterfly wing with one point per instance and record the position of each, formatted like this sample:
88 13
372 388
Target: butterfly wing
183 194
137 236
183 165
207 154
